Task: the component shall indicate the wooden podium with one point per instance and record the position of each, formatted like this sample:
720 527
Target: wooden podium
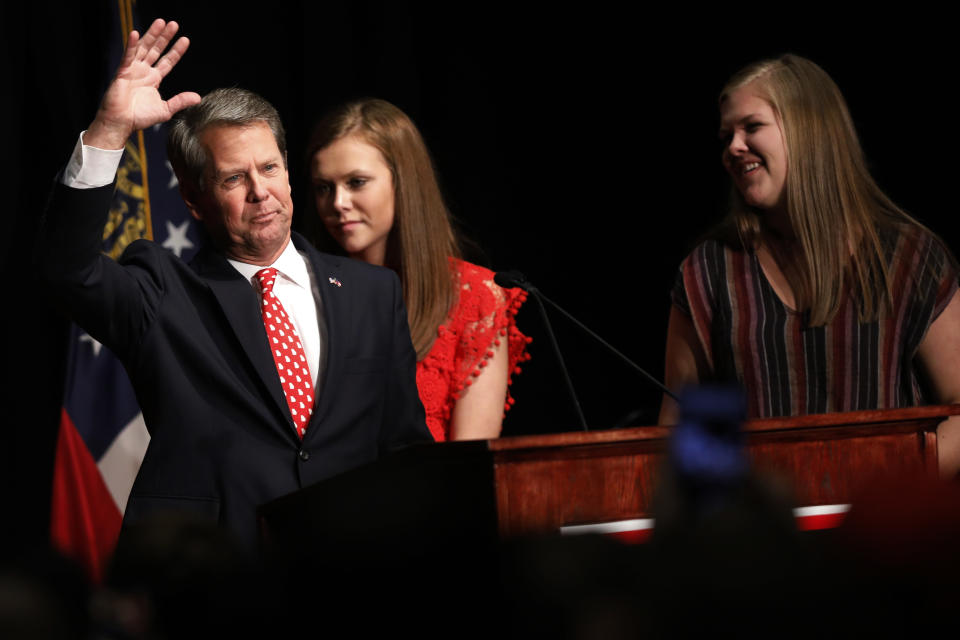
531 485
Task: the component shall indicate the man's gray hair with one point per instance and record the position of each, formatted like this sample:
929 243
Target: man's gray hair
229 107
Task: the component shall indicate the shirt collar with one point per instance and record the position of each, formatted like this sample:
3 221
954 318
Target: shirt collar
291 264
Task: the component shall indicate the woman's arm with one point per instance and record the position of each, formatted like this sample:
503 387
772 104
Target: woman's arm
478 412
686 363
939 354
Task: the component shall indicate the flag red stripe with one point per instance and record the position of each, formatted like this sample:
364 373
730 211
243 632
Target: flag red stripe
84 519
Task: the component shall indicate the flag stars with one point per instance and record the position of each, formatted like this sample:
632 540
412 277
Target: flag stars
172 181
177 240
94 343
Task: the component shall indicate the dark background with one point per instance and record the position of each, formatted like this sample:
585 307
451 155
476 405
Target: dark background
578 146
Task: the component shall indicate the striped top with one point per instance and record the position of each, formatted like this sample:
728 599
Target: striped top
787 368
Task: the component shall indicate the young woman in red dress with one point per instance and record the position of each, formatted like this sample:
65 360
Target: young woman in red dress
376 193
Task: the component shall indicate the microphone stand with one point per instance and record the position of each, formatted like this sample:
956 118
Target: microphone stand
556 349
516 279
649 377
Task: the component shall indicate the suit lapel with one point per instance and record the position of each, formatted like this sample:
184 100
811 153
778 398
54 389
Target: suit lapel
241 308
326 269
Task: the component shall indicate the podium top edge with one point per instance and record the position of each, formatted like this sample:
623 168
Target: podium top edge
840 419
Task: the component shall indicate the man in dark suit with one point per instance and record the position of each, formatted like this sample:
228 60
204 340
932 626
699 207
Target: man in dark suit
227 434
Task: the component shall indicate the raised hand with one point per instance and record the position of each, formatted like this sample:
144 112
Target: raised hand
132 100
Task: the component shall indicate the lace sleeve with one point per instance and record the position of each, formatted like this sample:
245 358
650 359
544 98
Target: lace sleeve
486 315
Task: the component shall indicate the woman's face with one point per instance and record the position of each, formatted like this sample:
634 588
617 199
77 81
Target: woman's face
353 187
754 150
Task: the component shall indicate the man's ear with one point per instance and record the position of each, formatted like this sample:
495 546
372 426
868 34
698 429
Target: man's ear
191 200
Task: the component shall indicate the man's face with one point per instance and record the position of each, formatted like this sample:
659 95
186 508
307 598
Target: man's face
245 204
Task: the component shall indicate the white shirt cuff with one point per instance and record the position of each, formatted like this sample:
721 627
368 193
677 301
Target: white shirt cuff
90 167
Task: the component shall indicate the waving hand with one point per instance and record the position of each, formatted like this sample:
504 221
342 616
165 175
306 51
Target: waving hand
132 100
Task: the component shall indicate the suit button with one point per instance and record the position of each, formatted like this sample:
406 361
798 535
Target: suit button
304 455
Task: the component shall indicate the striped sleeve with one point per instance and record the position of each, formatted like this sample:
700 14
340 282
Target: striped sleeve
947 272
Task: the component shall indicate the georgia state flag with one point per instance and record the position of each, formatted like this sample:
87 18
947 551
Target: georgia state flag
102 436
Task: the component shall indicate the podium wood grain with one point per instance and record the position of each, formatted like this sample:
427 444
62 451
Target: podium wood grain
545 482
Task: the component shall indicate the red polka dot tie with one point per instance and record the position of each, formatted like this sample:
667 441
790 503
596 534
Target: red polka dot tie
287 353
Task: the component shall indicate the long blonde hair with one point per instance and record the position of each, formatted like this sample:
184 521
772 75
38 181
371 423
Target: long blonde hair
422 238
835 208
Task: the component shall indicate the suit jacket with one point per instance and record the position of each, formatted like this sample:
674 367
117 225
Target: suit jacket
193 342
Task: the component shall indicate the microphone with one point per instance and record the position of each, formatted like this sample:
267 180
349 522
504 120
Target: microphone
510 279
516 279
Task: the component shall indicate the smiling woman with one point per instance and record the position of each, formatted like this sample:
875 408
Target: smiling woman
817 293
754 152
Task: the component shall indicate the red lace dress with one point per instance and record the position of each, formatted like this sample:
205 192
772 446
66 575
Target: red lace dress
482 316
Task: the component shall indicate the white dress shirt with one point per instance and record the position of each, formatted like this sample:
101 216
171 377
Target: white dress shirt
90 167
